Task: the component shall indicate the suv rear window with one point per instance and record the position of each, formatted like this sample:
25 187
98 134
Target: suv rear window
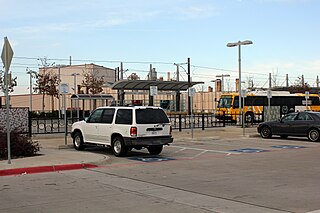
150 116
124 116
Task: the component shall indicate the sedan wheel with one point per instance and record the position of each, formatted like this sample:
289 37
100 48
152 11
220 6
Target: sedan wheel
313 135
265 132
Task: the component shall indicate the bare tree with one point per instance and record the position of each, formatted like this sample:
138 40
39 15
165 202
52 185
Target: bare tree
92 82
299 86
47 84
11 84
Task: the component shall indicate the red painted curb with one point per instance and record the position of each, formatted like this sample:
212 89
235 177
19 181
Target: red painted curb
41 169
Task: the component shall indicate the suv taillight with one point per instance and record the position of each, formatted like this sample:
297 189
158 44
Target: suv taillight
133 131
170 130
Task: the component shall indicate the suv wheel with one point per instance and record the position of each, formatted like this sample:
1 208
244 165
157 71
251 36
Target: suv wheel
155 150
78 141
118 147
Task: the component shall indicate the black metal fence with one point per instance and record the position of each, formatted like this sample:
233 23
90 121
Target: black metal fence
195 121
178 122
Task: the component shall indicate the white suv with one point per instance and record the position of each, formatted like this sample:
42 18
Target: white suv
123 128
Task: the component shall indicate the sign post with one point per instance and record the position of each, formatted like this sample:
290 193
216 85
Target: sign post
243 95
192 92
6 56
63 90
307 97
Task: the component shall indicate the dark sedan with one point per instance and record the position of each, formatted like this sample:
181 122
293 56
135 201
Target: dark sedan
301 124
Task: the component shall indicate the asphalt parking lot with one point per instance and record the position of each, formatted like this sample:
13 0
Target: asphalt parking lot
264 174
215 171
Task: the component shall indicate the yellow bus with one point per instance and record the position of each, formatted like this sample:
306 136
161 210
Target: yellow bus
255 101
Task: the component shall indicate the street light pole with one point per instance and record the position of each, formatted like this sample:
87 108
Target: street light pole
215 94
75 81
239 43
189 86
31 73
75 92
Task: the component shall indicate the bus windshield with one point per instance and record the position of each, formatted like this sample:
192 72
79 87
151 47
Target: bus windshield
225 102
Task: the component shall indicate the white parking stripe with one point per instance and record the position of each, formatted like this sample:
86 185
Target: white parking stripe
207 150
197 155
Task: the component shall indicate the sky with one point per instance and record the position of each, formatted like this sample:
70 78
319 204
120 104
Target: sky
285 36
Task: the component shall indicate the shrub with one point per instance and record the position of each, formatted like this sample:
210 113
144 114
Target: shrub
21 145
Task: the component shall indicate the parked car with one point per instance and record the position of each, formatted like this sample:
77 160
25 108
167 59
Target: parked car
301 124
123 128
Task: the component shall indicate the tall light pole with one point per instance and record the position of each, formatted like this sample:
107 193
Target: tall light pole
222 80
75 81
239 43
32 74
178 78
215 94
75 92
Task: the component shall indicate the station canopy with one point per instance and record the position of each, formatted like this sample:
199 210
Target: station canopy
145 85
92 97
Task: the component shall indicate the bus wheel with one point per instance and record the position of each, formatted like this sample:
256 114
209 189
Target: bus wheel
249 118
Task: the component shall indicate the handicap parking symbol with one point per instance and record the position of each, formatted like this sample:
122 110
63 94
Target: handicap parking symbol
249 150
151 159
288 147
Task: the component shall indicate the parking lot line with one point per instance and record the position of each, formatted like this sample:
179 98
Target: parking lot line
206 150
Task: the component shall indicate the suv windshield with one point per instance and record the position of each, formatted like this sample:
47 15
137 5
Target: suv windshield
150 116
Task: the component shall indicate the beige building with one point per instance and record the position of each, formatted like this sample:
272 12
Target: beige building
203 101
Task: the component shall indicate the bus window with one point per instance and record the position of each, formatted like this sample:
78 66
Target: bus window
236 103
225 102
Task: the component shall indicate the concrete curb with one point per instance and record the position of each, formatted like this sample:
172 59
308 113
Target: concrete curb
42 169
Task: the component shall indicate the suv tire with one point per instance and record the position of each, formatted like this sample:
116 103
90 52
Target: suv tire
155 150
118 147
78 141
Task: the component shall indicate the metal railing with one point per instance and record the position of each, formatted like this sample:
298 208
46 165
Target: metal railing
179 122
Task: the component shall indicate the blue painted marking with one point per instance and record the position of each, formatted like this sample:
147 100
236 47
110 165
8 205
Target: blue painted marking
151 159
288 147
249 150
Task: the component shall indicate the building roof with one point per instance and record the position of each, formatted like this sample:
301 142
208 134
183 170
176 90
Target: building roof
145 85
92 97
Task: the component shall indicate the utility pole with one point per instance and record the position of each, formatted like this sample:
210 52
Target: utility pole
222 80
269 94
178 91
189 86
59 104
31 73
302 81
75 82
270 83
121 91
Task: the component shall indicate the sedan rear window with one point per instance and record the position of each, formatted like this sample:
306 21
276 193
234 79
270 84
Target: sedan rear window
150 116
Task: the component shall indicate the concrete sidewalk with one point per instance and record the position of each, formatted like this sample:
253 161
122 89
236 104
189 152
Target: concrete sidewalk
56 151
